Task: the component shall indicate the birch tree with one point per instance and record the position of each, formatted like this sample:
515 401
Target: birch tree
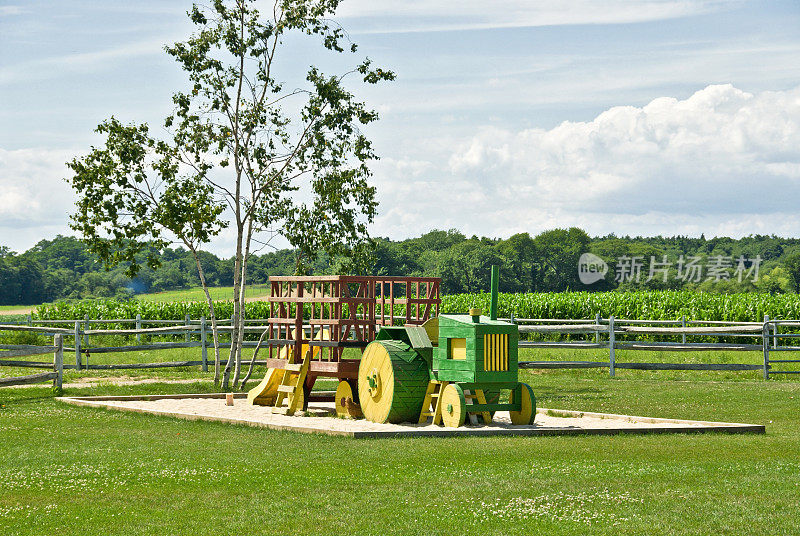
267 154
135 202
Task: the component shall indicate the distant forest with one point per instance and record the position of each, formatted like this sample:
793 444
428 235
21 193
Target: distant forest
548 262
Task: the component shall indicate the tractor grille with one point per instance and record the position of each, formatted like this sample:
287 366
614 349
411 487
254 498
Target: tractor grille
495 352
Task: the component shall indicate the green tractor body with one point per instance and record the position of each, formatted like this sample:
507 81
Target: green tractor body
469 360
477 350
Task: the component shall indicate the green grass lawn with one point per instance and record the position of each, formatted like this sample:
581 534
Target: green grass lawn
71 470
526 354
191 294
4 308
197 294
7 312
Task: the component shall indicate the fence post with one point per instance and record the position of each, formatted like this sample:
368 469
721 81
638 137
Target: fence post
765 343
597 333
188 322
611 341
775 335
78 344
30 320
138 326
683 325
204 348
85 329
58 360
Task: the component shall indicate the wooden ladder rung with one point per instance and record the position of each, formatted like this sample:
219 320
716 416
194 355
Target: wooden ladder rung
432 396
292 367
286 388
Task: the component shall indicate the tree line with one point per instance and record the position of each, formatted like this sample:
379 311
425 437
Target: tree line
63 268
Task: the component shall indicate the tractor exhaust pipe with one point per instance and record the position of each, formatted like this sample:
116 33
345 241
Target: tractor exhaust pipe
495 287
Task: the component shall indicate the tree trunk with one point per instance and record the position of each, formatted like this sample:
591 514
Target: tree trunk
237 313
237 362
253 359
236 323
214 330
242 302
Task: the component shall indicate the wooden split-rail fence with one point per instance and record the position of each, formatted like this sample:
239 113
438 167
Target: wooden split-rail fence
612 334
194 334
25 350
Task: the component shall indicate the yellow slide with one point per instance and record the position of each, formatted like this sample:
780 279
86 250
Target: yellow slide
265 392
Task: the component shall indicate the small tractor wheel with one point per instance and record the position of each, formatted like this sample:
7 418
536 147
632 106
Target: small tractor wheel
527 412
346 405
454 406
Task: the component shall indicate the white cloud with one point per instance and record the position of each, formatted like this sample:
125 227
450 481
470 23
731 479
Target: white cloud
34 199
722 161
439 15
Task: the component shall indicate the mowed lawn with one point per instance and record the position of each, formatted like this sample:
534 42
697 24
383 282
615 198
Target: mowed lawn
197 294
70 470
15 310
253 292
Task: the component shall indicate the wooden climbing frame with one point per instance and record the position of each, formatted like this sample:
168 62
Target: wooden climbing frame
337 312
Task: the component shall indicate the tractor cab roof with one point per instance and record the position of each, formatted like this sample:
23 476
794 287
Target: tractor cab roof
467 319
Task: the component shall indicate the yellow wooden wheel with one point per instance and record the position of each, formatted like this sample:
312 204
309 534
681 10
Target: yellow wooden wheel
454 406
527 412
392 381
346 405
376 383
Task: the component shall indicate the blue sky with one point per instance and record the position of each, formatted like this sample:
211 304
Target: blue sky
670 117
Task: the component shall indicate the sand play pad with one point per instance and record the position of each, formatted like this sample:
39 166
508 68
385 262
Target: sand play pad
321 419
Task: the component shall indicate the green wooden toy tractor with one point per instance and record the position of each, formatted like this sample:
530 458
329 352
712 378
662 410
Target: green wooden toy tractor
452 368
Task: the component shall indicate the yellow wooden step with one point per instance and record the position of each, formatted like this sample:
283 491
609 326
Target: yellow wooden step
432 397
292 367
286 388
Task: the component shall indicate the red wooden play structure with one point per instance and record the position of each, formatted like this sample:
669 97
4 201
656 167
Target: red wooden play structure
313 319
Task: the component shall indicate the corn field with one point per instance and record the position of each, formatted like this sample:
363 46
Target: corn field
643 305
